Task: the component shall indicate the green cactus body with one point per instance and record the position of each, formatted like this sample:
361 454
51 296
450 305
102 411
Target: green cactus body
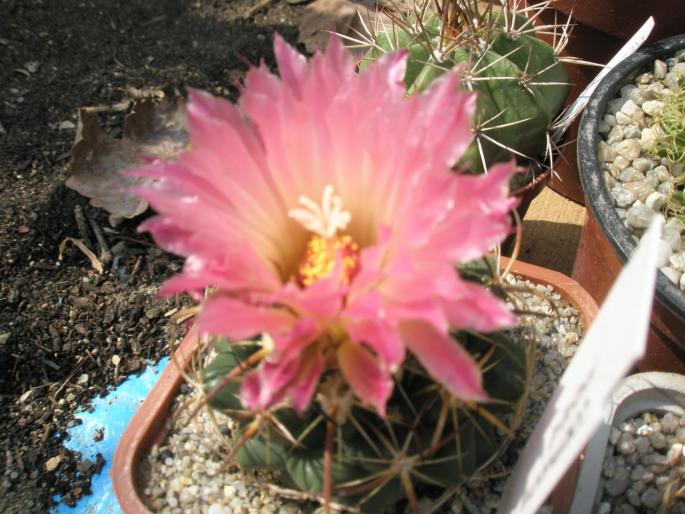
436 439
520 83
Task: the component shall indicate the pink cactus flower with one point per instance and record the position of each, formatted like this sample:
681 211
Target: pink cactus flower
322 210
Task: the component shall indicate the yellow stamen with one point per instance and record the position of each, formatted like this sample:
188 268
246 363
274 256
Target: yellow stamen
321 256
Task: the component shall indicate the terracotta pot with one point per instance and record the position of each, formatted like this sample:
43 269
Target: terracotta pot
643 392
148 426
621 19
605 244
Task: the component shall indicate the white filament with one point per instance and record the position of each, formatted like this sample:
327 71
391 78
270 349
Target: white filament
325 219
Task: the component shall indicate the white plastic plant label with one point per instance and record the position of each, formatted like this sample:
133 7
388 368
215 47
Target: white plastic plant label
614 342
573 110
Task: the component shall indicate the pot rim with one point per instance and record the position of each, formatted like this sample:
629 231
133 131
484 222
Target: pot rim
652 391
597 196
148 425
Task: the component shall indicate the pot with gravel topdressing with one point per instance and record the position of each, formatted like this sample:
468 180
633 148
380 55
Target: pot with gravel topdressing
606 241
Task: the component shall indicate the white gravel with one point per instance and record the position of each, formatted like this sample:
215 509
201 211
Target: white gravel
184 474
645 455
639 184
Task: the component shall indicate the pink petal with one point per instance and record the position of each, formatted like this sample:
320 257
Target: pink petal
429 310
446 119
381 337
365 375
302 390
266 386
239 271
292 370
445 360
292 65
236 320
295 340
323 299
479 310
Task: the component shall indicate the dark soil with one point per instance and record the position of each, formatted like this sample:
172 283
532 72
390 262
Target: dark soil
68 333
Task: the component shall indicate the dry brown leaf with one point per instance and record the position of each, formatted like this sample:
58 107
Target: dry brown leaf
341 16
155 129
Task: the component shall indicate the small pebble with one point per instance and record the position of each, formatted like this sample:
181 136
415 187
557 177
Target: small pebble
605 152
625 508
652 107
658 440
669 423
677 260
618 483
680 434
639 215
656 201
622 197
626 444
630 174
633 497
628 148
642 444
650 498
637 480
660 69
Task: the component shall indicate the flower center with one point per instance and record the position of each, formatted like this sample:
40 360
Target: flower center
322 255
325 248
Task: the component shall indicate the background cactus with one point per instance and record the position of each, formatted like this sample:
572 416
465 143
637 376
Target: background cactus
429 438
521 83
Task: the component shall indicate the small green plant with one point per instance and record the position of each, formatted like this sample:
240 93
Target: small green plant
520 81
670 145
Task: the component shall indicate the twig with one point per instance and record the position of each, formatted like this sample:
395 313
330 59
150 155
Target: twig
94 262
82 226
305 496
263 4
119 106
80 363
105 254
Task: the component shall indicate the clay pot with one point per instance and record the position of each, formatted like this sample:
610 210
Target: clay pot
148 426
644 392
605 244
620 19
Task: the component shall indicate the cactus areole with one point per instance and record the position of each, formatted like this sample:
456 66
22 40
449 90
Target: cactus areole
521 85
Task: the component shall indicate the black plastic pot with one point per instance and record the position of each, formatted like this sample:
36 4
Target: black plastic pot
606 243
